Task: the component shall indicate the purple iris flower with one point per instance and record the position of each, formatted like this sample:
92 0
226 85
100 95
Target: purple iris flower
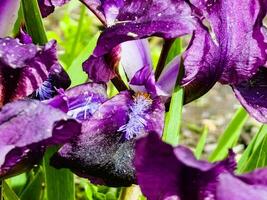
167 173
132 20
48 6
28 126
105 149
229 46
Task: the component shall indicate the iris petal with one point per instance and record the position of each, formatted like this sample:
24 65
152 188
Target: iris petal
26 128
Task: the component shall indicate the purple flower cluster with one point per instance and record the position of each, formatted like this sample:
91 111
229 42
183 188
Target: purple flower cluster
100 136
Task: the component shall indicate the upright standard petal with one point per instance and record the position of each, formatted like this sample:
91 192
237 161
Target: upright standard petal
8 16
164 172
27 127
142 19
104 152
23 68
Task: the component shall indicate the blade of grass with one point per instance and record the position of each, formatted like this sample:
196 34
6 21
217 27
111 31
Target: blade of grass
230 135
201 143
8 193
171 133
33 20
35 189
173 119
248 155
59 183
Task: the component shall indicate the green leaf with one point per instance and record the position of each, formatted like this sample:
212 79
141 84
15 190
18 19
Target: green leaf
33 19
230 136
251 155
75 71
8 193
35 189
176 49
173 118
59 184
201 143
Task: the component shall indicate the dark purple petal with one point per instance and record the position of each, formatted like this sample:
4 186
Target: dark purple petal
230 187
202 64
140 19
105 149
24 67
111 9
84 100
26 129
102 69
8 16
164 172
144 81
96 7
48 6
233 51
24 38
252 94
57 79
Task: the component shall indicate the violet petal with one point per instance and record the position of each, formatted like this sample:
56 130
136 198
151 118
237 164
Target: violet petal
164 172
252 94
26 128
102 151
23 68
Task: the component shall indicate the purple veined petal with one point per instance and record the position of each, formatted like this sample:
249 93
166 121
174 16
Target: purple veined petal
164 172
202 64
134 56
111 10
96 7
230 187
57 79
8 16
142 19
252 94
85 99
139 19
48 6
104 152
27 127
24 67
103 69
144 81
168 77
241 38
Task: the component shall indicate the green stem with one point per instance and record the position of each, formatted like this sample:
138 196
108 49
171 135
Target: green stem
33 20
163 56
78 32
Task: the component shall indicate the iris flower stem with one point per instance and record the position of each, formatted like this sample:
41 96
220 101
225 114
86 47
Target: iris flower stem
163 56
119 84
78 32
